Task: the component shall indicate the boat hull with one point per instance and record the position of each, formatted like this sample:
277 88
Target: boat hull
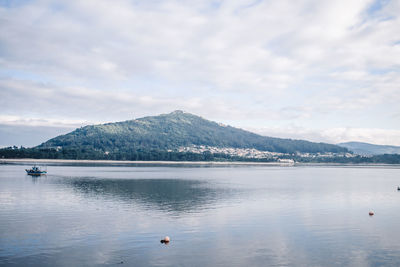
35 173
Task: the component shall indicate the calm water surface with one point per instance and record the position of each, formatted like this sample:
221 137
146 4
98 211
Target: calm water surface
215 216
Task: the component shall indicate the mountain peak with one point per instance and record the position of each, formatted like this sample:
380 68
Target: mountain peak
180 115
169 132
177 112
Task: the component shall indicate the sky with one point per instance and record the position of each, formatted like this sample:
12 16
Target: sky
324 71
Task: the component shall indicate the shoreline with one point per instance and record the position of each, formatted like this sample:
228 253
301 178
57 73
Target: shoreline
187 163
131 162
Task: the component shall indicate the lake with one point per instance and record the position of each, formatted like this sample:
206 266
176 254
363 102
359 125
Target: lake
215 216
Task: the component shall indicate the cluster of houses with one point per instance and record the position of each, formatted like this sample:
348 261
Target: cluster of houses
239 152
256 154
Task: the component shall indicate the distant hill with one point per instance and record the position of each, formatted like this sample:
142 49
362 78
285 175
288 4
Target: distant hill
370 149
168 132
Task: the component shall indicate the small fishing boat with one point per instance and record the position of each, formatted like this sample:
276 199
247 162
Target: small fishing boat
35 171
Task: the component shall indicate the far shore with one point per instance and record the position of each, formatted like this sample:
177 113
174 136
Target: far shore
130 162
182 163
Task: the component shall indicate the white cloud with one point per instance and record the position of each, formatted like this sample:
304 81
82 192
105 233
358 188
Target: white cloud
319 64
50 105
335 135
22 121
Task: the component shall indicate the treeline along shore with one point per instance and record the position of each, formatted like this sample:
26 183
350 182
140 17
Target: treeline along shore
174 156
137 163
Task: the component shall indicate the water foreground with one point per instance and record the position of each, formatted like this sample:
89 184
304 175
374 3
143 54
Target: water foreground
215 216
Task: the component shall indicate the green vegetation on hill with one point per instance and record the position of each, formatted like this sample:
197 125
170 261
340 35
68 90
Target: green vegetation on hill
171 131
152 155
370 149
161 137
50 153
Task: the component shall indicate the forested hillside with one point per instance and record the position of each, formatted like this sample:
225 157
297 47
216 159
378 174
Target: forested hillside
370 149
171 131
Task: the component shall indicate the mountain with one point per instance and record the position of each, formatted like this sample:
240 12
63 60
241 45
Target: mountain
168 132
370 149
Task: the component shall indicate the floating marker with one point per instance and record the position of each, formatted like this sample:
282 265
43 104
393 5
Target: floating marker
165 240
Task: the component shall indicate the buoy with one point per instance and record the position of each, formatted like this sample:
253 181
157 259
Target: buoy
371 213
165 240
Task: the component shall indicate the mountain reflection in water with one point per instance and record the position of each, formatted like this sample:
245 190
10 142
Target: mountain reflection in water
168 195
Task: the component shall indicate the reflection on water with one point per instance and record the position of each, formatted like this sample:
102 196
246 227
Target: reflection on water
255 216
173 195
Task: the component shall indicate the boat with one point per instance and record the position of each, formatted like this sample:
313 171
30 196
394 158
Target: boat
398 188
35 171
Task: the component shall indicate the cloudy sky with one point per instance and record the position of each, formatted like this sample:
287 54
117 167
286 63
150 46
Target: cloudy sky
317 70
